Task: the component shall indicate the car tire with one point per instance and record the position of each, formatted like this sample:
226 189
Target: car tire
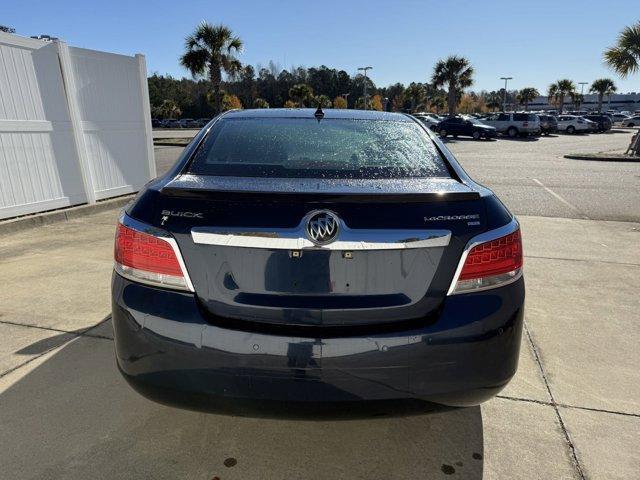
443 133
512 132
631 124
571 129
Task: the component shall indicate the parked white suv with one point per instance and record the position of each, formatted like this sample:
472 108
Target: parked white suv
631 122
573 124
428 119
514 124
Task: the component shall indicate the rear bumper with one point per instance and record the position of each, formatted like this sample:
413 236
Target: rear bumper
168 352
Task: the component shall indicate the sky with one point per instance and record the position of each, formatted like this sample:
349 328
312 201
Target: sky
535 42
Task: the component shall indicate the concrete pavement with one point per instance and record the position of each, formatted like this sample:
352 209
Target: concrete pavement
572 411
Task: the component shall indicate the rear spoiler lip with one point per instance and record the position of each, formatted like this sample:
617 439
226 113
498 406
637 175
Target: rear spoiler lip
319 197
306 189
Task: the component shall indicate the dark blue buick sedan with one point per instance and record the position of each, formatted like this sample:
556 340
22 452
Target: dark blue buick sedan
307 256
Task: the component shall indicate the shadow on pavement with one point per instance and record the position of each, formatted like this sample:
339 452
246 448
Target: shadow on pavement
45 344
519 139
466 139
74 417
51 343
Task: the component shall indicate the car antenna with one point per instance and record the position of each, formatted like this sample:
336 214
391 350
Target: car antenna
319 113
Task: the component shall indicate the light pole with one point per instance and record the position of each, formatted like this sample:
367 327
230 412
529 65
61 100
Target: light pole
346 98
504 95
364 69
582 84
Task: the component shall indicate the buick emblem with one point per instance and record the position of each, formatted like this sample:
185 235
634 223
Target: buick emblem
322 227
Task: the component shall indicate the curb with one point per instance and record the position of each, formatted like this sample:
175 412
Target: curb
63 215
627 159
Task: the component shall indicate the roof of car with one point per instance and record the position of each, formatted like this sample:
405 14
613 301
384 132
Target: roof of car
309 113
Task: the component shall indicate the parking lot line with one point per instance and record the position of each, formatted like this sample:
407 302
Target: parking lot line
558 197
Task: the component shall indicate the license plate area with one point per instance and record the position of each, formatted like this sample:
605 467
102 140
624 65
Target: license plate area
328 272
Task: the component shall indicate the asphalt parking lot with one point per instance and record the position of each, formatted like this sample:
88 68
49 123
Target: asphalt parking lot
572 411
533 178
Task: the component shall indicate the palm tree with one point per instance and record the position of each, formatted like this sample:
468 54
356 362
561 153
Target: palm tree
456 73
526 95
553 95
624 57
576 98
602 86
210 51
169 109
559 90
301 93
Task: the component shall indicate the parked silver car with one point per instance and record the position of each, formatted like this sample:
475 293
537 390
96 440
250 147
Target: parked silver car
619 117
514 124
631 122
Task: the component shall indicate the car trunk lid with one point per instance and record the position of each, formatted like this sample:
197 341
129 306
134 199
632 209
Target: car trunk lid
249 258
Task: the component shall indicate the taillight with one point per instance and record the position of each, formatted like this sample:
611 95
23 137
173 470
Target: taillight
148 259
491 264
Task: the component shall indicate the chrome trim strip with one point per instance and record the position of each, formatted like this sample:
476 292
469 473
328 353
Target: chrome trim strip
127 221
296 239
510 227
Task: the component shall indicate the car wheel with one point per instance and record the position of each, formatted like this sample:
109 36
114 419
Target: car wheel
571 129
631 124
443 133
512 132
476 135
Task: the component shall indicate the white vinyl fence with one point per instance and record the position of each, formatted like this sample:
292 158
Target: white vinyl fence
75 125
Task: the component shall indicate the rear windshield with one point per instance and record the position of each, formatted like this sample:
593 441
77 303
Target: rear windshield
524 117
308 148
